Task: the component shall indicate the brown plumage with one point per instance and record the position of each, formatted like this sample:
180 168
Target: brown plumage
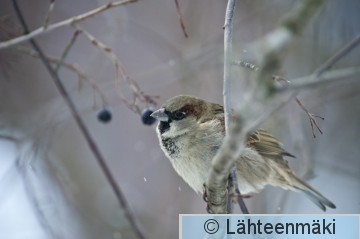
191 131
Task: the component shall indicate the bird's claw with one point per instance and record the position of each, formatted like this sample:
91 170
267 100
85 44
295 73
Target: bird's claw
208 209
205 194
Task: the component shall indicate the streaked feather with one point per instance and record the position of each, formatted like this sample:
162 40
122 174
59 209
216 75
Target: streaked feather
267 145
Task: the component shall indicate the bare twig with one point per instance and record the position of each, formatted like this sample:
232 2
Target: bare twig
218 175
230 190
71 67
67 22
120 73
48 14
235 191
180 18
307 82
337 56
312 117
280 38
228 34
312 81
119 69
66 50
91 143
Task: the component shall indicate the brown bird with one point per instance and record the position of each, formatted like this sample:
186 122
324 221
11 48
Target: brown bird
191 131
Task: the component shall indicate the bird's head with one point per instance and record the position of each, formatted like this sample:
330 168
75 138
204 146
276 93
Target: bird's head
180 115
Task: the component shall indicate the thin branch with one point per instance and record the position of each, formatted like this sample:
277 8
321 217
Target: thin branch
71 67
66 51
234 191
180 18
263 102
120 73
67 22
218 176
91 143
119 69
313 80
309 82
312 118
230 190
228 34
49 13
338 56
275 42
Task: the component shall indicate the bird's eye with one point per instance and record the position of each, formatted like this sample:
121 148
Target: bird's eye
178 115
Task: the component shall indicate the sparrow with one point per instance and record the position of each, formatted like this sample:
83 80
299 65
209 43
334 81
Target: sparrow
191 131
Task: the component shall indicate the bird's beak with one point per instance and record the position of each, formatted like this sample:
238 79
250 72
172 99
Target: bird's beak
160 115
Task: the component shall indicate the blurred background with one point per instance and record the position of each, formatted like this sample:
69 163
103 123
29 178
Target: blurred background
50 184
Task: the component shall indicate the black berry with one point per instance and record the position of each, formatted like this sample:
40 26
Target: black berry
105 115
146 118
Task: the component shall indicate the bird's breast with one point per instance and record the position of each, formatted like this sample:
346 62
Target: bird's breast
191 160
170 146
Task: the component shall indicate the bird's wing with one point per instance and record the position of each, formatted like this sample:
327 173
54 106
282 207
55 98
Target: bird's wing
267 145
260 140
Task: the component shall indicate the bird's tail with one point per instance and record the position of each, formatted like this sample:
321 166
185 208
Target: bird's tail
315 196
